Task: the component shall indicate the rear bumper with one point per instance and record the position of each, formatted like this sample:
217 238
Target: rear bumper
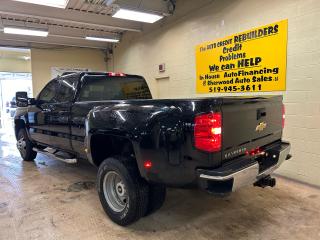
243 171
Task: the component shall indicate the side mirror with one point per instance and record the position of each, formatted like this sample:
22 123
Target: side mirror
22 99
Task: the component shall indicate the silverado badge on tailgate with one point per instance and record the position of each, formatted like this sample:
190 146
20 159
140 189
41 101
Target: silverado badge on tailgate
261 126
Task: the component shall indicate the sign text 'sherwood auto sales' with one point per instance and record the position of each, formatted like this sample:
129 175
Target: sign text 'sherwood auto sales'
251 61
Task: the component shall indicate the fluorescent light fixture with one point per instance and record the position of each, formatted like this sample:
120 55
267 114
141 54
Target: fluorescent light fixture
137 16
50 3
25 31
26 58
101 39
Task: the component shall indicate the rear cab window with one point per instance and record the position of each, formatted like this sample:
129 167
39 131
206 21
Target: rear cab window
99 88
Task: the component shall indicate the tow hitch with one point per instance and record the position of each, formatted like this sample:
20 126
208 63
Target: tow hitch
267 181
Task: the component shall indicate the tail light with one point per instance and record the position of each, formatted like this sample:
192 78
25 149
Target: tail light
283 115
207 132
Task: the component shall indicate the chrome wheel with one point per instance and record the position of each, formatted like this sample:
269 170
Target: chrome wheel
115 191
22 146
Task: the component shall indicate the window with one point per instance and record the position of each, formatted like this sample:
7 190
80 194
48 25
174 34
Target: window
66 90
48 93
99 88
59 90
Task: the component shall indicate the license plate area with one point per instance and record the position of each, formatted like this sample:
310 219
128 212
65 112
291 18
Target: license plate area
268 159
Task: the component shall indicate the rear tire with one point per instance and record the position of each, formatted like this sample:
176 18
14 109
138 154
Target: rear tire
122 192
25 146
157 196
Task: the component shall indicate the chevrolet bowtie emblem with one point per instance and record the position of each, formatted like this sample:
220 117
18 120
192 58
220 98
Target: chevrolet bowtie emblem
261 126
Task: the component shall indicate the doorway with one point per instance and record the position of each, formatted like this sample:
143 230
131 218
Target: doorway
10 83
15 75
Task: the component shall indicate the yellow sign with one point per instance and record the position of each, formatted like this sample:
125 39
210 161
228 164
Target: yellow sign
251 61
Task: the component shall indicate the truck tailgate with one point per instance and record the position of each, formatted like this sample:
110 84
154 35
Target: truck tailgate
249 123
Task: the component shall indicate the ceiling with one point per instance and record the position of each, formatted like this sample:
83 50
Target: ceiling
80 18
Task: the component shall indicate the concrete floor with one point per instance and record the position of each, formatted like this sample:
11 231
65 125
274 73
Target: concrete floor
48 200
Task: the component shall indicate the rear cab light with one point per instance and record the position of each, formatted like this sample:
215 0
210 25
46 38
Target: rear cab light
207 132
113 74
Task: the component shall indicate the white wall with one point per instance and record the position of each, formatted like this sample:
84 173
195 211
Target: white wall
173 43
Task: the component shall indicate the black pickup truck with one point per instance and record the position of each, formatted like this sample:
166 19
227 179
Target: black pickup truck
141 145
